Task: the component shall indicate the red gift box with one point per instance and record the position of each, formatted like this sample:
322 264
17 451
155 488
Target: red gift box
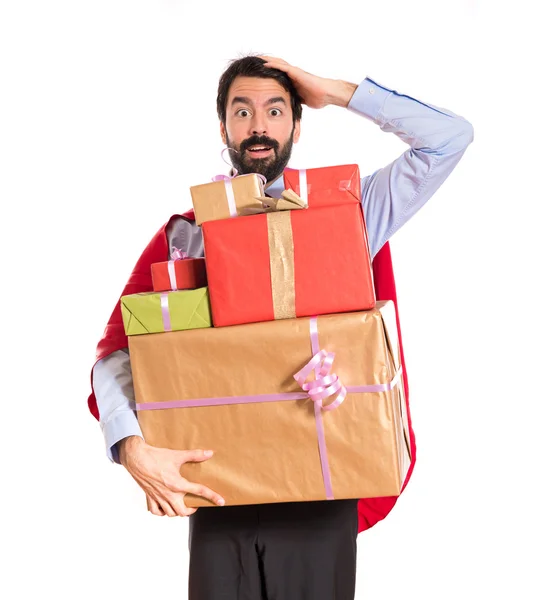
325 186
288 264
179 274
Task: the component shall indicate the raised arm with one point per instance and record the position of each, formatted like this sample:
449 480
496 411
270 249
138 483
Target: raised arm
437 139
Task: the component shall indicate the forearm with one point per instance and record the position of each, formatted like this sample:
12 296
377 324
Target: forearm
114 390
340 92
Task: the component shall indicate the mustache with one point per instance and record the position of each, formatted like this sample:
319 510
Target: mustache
258 140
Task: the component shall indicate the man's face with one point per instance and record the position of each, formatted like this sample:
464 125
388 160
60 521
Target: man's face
259 126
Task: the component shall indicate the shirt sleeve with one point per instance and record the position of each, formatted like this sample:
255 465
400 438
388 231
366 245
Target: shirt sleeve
114 391
437 138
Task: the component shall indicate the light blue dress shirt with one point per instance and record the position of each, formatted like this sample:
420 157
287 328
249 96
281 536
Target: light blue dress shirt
437 139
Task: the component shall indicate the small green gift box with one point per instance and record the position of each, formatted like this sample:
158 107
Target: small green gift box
157 312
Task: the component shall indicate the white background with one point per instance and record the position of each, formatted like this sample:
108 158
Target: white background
107 116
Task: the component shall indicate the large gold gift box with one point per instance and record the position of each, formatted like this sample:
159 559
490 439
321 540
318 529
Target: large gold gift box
269 451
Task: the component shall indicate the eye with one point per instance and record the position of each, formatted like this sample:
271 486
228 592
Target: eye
275 112
242 112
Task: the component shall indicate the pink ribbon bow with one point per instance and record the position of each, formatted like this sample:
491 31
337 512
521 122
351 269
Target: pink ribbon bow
325 384
178 254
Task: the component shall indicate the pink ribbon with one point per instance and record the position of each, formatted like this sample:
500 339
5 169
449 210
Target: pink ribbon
324 385
165 308
176 255
234 171
226 178
221 177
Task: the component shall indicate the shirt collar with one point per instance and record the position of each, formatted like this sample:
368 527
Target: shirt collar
276 188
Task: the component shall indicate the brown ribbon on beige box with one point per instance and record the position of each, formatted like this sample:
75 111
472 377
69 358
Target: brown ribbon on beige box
289 200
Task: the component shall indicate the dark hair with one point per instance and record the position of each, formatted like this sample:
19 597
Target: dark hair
253 66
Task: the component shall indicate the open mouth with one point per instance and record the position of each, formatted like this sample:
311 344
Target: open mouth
259 151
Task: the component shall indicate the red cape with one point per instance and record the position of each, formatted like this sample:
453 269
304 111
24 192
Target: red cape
370 511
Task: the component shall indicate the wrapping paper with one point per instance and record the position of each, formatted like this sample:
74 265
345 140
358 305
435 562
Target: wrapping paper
326 186
225 198
288 264
188 274
152 312
268 452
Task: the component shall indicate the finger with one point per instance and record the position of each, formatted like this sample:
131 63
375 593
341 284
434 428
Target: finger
279 66
195 455
204 492
273 59
276 63
181 509
154 508
167 508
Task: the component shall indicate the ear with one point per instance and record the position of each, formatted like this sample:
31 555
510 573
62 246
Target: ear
297 128
223 133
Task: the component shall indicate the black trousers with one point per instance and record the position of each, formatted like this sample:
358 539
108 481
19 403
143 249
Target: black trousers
295 551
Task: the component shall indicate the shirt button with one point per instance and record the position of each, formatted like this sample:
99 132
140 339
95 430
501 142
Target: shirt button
372 90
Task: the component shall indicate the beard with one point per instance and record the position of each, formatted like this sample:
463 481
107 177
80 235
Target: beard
271 166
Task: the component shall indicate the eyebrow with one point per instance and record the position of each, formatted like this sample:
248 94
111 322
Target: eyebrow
246 100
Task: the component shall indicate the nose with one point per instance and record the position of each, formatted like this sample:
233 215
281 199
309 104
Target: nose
258 125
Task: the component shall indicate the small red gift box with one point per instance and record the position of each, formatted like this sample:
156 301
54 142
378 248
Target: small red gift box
325 186
287 264
180 273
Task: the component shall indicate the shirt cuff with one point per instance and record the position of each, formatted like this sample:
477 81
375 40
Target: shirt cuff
369 99
116 429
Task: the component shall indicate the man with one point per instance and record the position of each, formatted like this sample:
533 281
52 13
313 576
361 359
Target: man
280 551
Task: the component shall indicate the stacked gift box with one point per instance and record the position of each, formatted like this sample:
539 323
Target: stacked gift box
272 350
